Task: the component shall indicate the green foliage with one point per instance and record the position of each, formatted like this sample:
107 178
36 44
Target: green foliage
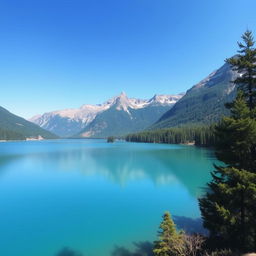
10 135
237 136
13 127
245 64
113 122
228 208
110 139
176 243
170 241
203 104
198 135
221 252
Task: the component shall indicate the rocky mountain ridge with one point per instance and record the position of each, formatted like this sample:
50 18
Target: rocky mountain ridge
204 102
68 122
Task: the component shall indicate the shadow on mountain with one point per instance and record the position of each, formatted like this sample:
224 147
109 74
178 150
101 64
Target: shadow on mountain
141 249
190 225
68 252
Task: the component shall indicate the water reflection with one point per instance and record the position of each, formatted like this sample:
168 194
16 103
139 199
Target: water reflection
68 252
5 160
189 166
62 192
141 249
190 225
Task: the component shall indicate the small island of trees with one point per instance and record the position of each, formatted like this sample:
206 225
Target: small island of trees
111 139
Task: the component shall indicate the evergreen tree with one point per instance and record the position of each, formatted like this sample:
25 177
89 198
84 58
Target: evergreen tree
245 64
229 207
236 137
199 135
170 242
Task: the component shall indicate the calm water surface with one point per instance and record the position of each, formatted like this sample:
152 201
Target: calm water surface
93 196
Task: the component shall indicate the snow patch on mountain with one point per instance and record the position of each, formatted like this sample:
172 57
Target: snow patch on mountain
86 113
73 119
203 82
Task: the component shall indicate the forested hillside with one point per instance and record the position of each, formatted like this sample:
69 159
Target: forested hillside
13 127
198 135
204 102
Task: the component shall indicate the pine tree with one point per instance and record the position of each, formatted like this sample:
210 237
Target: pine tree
237 136
170 242
245 64
229 207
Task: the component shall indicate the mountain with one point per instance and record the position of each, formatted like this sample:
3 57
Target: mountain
68 122
13 127
128 115
116 116
204 102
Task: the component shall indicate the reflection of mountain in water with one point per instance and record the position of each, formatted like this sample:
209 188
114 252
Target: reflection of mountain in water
121 163
191 166
68 190
141 249
190 225
5 160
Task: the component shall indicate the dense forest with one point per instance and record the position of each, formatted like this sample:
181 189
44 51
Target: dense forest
198 135
13 127
11 135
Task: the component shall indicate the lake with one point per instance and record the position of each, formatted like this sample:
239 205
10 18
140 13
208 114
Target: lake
94 197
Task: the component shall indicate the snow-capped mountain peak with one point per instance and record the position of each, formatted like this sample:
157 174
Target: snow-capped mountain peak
165 99
70 121
122 102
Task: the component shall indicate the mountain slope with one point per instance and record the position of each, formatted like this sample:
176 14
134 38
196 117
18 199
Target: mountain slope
128 115
204 102
15 127
116 116
114 122
68 122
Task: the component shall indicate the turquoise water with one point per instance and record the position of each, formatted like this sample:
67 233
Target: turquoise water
94 196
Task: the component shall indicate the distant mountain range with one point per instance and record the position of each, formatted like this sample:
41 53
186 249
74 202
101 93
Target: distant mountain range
13 127
204 102
117 116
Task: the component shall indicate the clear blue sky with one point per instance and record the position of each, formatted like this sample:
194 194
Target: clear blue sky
57 54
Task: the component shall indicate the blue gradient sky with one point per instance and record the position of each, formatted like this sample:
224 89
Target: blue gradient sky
58 54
